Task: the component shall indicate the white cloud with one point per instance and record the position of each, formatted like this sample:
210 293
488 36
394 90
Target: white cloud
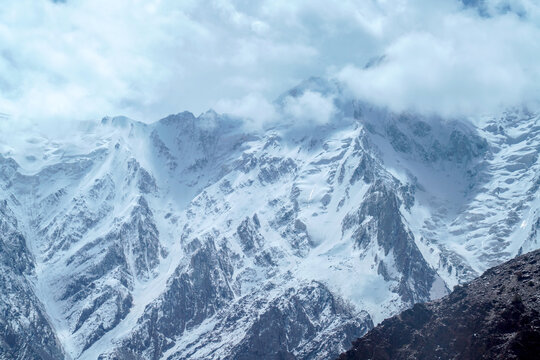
253 108
309 108
145 59
464 64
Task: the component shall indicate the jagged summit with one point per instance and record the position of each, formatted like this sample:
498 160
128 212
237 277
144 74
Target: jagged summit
119 121
315 84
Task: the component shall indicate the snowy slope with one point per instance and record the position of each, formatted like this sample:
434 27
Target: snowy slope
194 238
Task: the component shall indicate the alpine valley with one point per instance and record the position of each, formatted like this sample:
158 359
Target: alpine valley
203 238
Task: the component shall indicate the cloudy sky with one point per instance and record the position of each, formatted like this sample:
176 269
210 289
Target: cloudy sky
84 59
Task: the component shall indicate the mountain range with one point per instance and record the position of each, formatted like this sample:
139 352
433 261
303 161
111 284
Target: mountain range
198 237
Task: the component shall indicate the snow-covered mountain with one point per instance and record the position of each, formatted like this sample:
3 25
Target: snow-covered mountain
196 238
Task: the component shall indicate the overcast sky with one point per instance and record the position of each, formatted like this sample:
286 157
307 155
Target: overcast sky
84 59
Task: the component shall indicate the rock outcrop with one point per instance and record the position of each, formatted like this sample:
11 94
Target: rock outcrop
496 316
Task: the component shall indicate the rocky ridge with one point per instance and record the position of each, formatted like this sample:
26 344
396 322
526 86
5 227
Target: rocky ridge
496 316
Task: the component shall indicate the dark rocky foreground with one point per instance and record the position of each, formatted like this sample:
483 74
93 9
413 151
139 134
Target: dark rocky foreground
496 316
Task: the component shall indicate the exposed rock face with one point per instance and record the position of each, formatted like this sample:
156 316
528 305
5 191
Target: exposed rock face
379 218
25 331
194 294
496 316
294 326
